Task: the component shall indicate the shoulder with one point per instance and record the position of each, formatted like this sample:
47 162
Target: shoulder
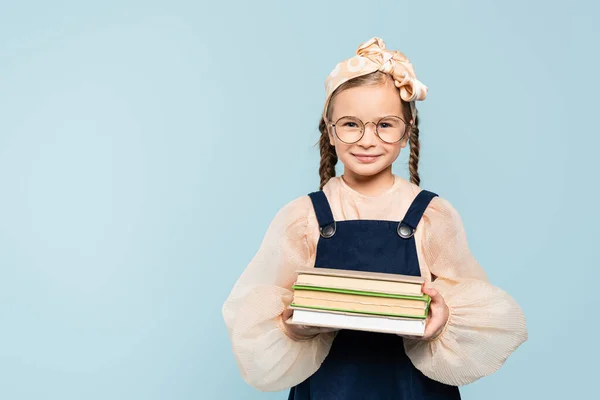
443 208
439 210
298 206
294 214
441 218
438 206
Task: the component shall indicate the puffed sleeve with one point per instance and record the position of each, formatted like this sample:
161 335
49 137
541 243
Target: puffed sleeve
485 325
269 356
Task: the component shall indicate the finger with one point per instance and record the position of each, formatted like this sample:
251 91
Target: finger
410 337
310 330
328 330
287 314
315 330
435 322
436 298
434 294
430 330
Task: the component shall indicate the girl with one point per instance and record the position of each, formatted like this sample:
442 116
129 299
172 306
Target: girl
370 219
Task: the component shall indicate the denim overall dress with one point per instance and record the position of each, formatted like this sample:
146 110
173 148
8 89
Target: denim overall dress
365 365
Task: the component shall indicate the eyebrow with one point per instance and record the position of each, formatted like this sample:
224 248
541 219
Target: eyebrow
374 119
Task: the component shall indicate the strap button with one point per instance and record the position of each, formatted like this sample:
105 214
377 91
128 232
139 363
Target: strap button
405 231
328 231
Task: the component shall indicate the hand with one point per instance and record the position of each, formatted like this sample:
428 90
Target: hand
303 330
437 317
438 314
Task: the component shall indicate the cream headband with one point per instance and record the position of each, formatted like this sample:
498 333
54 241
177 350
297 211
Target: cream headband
372 56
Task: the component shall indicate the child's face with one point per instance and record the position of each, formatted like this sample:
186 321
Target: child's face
369 103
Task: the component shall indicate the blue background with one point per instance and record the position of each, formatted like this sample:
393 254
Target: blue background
146 146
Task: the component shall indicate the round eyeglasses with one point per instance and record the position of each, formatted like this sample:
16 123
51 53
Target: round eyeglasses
390 129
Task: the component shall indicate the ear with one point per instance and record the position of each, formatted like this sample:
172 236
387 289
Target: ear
404 141
330 134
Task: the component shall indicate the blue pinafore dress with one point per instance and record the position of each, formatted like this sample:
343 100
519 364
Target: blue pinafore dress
366 365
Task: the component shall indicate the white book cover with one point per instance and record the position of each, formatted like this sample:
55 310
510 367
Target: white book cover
412 327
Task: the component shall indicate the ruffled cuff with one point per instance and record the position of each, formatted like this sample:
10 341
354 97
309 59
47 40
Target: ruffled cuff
485 326
268 358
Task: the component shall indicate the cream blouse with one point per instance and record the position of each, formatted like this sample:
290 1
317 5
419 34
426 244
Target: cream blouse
485 325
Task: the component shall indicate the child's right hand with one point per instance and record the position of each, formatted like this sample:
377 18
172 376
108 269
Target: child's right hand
304 331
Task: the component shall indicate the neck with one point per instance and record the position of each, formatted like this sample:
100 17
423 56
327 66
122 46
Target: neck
372 185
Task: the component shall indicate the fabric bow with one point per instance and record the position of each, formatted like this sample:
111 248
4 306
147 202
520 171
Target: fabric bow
398 66
372 56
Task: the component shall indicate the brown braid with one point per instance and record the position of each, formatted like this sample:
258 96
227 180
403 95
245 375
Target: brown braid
415 148
328 156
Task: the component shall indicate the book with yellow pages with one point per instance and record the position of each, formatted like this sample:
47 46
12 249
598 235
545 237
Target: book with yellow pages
360 281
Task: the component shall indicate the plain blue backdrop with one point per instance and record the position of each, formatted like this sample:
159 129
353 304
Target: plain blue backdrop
145 146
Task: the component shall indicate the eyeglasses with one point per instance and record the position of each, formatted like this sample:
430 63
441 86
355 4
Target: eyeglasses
390 129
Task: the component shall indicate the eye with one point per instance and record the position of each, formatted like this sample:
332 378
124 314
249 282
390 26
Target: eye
350 124
391 123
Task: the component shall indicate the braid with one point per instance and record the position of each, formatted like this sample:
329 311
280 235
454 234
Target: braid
328 156
415 147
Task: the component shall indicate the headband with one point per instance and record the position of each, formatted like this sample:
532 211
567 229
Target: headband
372 56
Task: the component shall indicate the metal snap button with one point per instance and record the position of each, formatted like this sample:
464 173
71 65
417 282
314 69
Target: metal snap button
405 231
328 231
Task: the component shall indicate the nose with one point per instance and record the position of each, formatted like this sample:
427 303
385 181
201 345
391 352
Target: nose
370 137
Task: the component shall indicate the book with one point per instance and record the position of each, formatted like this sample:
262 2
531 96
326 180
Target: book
371 301
361 303
400 326
360 281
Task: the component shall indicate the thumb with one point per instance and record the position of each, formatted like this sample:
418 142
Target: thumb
430 291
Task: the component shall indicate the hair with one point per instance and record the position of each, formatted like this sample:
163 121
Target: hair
329 156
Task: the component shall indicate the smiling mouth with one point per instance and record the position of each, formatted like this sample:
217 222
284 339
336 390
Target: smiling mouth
366 157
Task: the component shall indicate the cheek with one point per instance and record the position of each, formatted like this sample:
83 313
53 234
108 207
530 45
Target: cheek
341 147
393 150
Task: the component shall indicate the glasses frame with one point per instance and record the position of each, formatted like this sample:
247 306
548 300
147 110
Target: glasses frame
363 128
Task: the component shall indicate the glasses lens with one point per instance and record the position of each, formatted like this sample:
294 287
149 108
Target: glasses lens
391 129
348 129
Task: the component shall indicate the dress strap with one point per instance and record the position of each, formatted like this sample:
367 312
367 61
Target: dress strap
407 227
325 219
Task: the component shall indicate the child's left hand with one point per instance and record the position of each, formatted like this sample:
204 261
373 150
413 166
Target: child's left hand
437 317
438 314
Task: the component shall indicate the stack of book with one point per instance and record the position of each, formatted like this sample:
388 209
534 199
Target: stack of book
367 301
